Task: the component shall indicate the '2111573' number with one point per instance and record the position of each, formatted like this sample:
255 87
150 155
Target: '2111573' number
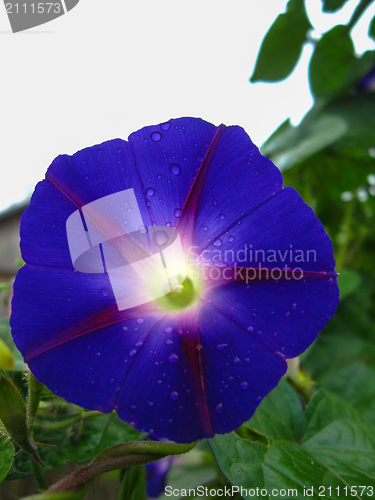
33 8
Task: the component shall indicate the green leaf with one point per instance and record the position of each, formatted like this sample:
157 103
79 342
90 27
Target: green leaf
332 5
13 413
331 62
6 458
282 45
335 448
355 384
371 30
290 145
6 337
348 282
91 434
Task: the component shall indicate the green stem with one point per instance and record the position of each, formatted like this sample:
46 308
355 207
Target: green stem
39 474
359 10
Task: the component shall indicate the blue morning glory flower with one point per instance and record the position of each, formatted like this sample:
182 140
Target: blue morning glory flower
183 324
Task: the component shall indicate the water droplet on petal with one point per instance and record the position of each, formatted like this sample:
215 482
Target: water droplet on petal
169 342
156 136
175 168
150 403
219 408
214 202
220 347
173 358
168 330
206 144
205 228
222 216
174 395
150 191
217 243
160 237
86 177
140 321
104 291
165 126
177 212
250 329
139 344
259 399
199 157
330 281
294 306
132 353
244 386
236 361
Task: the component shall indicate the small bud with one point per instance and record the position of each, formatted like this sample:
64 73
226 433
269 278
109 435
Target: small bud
13 413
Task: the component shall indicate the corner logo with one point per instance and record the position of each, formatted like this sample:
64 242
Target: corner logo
108 236
26 14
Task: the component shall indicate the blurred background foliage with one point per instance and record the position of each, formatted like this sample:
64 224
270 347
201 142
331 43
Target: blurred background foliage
329 158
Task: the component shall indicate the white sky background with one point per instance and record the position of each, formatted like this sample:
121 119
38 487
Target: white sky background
109 67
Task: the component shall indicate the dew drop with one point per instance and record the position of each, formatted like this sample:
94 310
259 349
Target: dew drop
177 212
169 342
173 358
156 136
86 177
219 408
150 191
168 330
132 353
175 168
244 386
217 243
330 281
160 237
214 202
150 403
236 361
294 306
250 329
205 228
199 157
104 291
174 395
259 399
220 347
139 344
165 126
140 321
206 144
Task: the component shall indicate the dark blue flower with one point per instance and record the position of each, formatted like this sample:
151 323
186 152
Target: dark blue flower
198 360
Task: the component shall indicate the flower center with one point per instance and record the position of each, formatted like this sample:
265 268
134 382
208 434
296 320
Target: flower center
182 296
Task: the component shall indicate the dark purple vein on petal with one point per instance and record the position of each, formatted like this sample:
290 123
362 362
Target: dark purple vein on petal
107 317
186 222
